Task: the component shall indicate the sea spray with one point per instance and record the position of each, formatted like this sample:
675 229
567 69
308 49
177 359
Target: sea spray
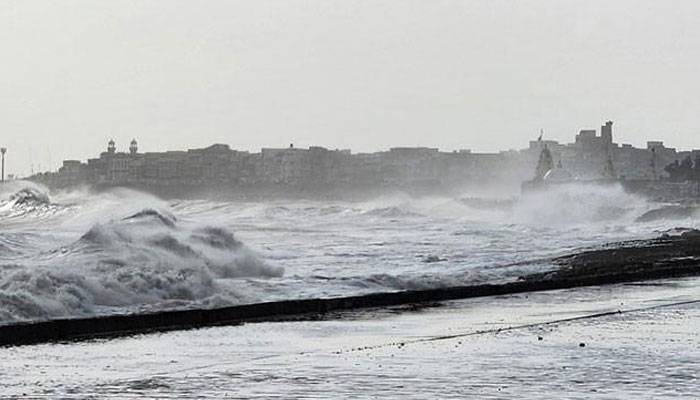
578 204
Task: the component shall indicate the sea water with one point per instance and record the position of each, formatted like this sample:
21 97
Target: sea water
79 253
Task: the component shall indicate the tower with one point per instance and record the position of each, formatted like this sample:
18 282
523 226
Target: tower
133 147
111 147
606 132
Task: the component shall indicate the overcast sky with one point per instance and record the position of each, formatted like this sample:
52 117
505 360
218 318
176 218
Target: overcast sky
365 75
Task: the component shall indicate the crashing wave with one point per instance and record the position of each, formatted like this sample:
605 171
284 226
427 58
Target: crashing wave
30 196
166 219
21 199
572 204
144 260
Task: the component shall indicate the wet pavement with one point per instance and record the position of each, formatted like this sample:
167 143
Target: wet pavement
620 341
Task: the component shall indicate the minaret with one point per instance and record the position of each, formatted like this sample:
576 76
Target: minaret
133 147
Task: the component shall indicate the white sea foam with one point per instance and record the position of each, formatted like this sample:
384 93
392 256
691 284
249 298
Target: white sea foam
143 259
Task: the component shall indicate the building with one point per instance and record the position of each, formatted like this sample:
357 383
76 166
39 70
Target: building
589 157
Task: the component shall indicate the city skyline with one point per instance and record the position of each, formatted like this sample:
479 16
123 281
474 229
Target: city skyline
593 156
361 75
123 147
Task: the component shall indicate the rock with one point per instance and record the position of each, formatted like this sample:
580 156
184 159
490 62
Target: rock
664 257
667 212
691 234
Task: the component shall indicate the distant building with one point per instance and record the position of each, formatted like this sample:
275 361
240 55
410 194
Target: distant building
589 157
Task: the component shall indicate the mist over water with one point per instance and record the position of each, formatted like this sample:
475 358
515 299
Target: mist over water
81 253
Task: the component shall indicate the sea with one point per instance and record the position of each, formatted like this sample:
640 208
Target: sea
77 253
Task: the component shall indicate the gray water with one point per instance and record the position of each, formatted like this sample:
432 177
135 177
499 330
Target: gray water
79 253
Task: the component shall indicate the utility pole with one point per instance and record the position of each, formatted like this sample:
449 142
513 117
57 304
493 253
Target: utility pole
2 152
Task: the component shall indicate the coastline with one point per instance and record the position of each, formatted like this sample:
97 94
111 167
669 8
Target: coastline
633 261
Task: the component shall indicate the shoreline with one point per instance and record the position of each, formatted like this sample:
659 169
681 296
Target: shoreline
633 261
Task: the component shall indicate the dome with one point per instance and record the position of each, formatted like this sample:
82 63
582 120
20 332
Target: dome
133 147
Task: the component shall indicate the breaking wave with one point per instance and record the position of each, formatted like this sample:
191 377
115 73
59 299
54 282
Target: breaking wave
143 260
576 204
22 199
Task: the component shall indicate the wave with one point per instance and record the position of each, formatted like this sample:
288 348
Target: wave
146 259
416 282
392 212
30 196
23 199
577 204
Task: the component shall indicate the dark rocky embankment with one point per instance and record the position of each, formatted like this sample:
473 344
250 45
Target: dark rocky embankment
664 257
671 212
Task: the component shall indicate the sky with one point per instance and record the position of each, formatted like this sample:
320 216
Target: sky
364 75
